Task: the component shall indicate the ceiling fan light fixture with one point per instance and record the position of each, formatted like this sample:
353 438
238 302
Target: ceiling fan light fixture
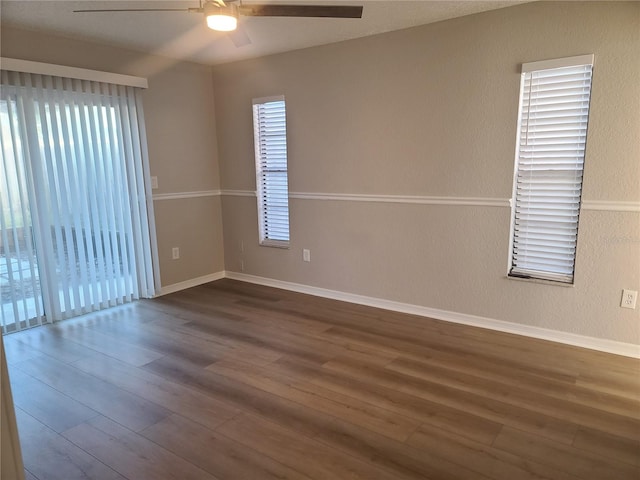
222 19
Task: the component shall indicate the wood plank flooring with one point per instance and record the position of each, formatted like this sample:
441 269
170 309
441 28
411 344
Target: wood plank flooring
236 381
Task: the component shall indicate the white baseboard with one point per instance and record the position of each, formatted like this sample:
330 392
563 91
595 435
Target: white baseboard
194 282
592 343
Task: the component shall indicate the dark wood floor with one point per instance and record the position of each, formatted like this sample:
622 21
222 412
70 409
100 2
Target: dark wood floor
236 381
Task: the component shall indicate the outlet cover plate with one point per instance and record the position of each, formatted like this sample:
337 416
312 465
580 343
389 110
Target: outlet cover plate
629 298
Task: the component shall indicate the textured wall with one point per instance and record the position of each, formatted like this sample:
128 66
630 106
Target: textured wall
431 111
428 111
179 113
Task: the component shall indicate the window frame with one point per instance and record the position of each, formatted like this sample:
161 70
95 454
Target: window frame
264 237
518 272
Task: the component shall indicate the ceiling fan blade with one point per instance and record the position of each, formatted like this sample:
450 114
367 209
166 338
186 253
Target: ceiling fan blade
137 10
331 11
239 37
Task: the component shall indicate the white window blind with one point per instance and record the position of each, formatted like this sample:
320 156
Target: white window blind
76 219
270 139
554 114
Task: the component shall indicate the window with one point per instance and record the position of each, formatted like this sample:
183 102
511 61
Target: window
76 227
270 139
550 149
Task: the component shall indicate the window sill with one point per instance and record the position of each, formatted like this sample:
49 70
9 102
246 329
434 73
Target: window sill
275 244
541 281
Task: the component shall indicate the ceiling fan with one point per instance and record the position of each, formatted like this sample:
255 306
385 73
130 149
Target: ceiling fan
223 15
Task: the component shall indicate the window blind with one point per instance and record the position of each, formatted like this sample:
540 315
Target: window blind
76 224
270 138
554 114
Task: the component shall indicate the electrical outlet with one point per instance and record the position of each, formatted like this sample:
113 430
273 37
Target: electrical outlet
154 182
629 298
306 255
175 253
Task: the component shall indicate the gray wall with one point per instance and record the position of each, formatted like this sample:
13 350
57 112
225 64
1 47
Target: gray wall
181 131
431 112
427 112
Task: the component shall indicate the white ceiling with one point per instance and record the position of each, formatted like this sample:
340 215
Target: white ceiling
184 35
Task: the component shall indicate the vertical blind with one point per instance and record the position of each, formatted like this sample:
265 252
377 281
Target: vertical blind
270 139
554 113
77 223
20 293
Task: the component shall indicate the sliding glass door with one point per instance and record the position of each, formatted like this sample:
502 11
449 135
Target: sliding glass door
75 229
20 293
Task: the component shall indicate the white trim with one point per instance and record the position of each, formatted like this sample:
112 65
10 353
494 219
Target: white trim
275 244
603 345
607 206
558 63
238 193
179 195
410 199
272 178
514 181
540 281
194 282
597 205
27 66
